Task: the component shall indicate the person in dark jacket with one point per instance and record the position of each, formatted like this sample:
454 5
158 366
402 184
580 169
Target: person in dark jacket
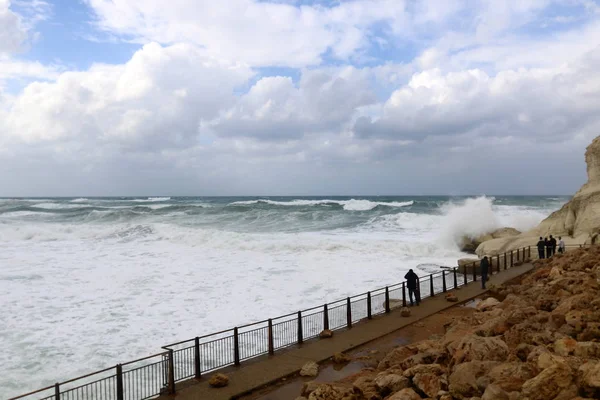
548 247
553 245
412 284
541 245
485 267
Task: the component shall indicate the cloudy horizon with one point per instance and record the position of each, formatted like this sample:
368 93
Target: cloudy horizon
292 97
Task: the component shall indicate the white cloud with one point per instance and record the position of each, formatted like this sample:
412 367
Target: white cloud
13 33
157 99
179 110
275 109
533 105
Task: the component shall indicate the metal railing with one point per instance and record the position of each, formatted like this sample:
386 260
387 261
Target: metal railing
157 374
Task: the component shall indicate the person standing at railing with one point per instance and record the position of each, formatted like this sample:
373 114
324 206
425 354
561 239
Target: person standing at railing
561 245
411 284
548 247
485 267
553 244
541 245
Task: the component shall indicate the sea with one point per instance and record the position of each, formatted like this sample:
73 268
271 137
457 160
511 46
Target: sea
87 283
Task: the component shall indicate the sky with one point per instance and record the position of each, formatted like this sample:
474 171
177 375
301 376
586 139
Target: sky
293 97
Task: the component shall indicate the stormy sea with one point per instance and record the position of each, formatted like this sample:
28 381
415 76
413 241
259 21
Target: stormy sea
90 282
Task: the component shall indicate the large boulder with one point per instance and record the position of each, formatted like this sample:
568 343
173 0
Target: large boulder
366 387
494 392
430 384
469 244
463 380
332 392
588 379
405 394
477 348
390 383
549 383
510 377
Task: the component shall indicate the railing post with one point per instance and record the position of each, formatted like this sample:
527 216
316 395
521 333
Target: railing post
529 252
369 313
271 342
403 294
511 259
197 368
57 392
455 278
431 285
325 317
236 347
466 280
387 300
348 313
474 272
505 257
444 281
171 372
119 376
300 336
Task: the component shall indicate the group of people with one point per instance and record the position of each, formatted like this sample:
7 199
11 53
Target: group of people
547 246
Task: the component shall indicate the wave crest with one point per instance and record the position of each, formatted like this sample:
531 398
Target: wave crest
348 205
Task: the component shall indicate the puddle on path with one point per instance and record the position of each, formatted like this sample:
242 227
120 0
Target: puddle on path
472 303
330 373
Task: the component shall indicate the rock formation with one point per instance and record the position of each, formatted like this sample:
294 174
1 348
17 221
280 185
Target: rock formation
578 221
469 245
538 339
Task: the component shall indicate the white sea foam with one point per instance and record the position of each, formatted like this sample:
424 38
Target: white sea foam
349 205
80 200
150 199
59 206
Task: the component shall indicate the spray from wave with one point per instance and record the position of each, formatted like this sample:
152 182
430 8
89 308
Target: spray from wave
475 217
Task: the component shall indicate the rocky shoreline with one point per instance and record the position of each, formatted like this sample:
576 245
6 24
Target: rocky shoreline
535 339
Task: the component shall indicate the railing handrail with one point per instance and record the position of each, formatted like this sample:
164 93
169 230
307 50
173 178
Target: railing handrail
384 290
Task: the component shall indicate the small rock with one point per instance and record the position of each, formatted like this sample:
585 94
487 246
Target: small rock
405 312
340 358
218 380
329 391
326 334
565 346
405 394
494 392
488 304
310 387
451 298
311 368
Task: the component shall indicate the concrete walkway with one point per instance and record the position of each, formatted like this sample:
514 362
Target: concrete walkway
254 374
